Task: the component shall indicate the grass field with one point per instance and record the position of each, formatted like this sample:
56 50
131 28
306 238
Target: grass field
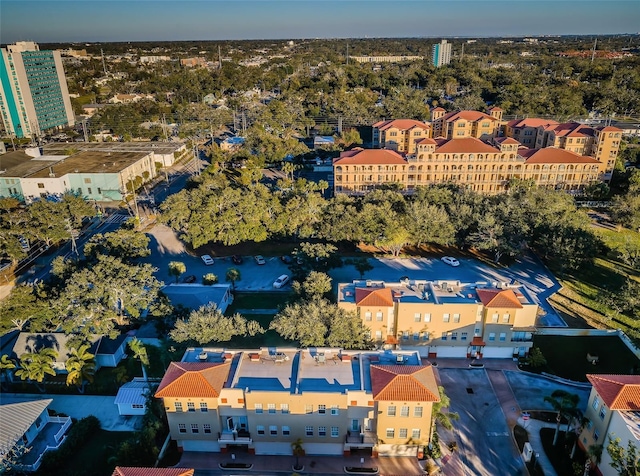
258 300
567 356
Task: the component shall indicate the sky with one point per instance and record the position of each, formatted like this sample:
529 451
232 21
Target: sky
61 21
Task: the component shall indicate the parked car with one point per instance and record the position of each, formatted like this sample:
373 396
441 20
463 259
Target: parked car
286 259
259 259
236 259
451 261
281 281
190 279
206 259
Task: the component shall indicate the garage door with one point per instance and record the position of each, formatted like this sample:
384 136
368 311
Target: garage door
274 448
450 351
200 445
324 448
497 352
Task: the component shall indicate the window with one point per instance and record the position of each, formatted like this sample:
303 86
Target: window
391 433
415 433
284 407
322 409
206 427
476 332
273 430
391 410
603 412
195 428
87 180
137 405
445 318
596 403
417 317
402 433
191 407
322 431
379 316
258 407
182 428
378 335
405 335
417 412
596 435
367 316
204 407
454 336
416 336
494 318
463 336
335 410
506 317
40 185
260 429
492 336
89 190
404 411
503 336
456 318
427 317
334 432
308 430
425 336
178 406
271 407
444 336
308 409
286 431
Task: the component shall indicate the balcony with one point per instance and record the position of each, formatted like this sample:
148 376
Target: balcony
360 439
240 437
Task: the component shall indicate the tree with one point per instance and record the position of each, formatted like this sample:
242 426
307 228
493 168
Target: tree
316 285
625 462
208 324
233 275
535 358
6 365
362 265
125 244
81 367
562 402
439 416
36 366
140 353
298 451
177 269
209 279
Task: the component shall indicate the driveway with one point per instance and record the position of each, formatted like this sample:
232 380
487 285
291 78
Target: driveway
485 444
530 390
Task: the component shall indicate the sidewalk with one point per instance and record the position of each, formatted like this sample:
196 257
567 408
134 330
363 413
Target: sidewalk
533 427
319 465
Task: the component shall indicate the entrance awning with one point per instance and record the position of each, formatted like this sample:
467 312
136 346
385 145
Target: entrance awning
478 341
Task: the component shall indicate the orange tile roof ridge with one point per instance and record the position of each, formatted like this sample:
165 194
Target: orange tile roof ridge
414 383
465 145
193 379
369 156
403 124
504 298
618 392
374 297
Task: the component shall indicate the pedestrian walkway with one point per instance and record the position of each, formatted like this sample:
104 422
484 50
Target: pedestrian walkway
319 465
533 428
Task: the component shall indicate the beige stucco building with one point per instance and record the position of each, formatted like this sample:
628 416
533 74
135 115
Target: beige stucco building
400 135
445 318
335 401
460 124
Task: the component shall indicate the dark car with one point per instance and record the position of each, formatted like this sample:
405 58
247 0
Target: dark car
237 259
286 259
190 279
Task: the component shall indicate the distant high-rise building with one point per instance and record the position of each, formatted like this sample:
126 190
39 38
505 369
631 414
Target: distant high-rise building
33 90
441 53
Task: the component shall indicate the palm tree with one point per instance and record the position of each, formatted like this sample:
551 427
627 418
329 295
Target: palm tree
81 367
440 417
564 403
140 353
35 367
298 451
6 364
233 275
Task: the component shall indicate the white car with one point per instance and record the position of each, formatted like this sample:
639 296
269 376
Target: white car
451 261
259 260
206 259
281 281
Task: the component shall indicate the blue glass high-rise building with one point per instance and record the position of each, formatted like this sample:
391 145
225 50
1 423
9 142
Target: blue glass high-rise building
33 90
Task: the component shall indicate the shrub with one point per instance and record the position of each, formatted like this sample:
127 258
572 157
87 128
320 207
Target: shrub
78 435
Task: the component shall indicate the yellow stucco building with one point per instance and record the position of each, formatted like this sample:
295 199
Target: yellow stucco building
400 135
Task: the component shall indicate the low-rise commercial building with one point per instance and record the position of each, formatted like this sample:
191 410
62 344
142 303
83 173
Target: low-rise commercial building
336 401
445 318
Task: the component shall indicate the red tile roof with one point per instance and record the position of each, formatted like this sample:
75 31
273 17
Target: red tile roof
496 108
414 383
124 471
438 109
506 140
193 379
471 116
402 124
531 122
465 145
369 156
618 392
551 155
426 140
504 298
608 129
374 297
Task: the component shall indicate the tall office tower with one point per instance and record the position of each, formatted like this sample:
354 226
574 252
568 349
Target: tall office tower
441 53
33 90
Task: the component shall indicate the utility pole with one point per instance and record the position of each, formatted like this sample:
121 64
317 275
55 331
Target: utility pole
164 128
73 233
84 130
135 200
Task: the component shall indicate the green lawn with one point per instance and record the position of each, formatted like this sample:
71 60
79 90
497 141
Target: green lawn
567 356
92 459
259 300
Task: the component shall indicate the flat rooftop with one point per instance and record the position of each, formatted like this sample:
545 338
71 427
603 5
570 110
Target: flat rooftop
157 147
19 164
91 162
322 370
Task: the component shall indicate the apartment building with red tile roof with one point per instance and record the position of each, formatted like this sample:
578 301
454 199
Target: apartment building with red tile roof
459 124
400 134
613 411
